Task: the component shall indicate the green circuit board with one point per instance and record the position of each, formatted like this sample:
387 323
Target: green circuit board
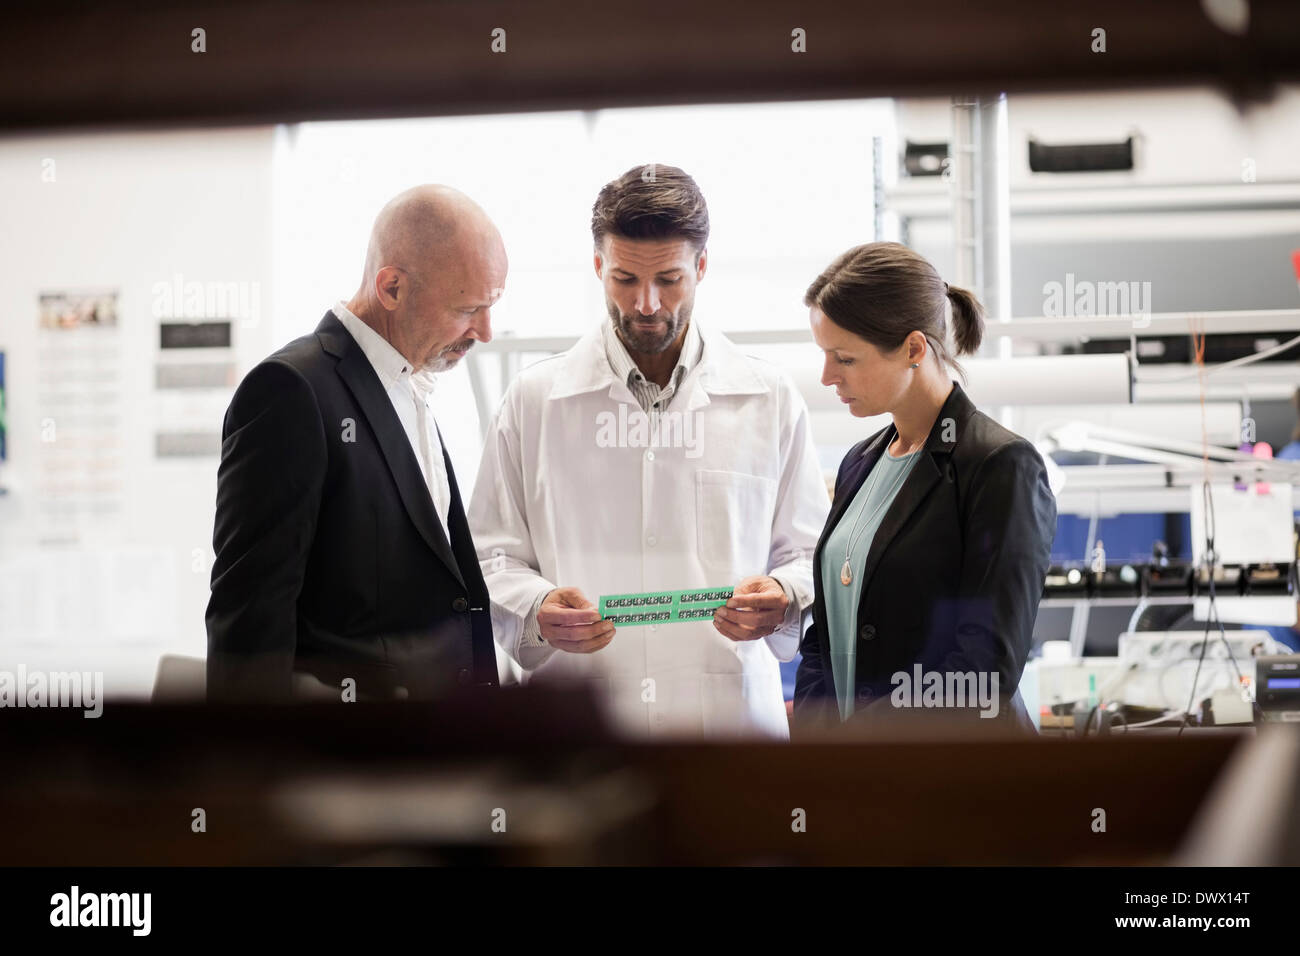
663 607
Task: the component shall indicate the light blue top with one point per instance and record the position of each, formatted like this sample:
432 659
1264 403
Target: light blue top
864 513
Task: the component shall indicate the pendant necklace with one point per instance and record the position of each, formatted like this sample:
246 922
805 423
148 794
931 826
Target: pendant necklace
846 571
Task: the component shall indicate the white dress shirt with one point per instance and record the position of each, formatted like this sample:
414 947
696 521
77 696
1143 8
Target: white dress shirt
410 393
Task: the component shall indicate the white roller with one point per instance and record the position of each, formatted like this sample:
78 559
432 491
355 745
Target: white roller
1051 380
1031 380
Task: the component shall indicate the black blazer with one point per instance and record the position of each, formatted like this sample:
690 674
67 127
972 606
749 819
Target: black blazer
330 558
954 574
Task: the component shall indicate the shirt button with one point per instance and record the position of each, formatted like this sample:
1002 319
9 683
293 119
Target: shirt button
868 632
401 693
649 456
464 677
460 604
651 540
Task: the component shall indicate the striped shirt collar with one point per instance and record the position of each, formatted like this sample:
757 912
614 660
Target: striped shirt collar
625 369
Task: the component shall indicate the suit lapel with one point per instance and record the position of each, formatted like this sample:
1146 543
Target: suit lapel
457 525
853 481
920 480
932 462
359 376
844 493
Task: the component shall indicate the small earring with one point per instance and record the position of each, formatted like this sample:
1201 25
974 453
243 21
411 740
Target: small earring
915 365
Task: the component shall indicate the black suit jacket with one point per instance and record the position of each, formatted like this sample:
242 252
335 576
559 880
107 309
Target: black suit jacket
330 558
954 574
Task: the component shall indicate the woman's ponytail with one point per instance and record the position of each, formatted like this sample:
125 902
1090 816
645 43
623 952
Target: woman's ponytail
967 320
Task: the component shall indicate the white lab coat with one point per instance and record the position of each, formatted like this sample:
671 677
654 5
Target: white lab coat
733 492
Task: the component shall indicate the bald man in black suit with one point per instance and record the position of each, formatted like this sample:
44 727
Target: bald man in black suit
343 558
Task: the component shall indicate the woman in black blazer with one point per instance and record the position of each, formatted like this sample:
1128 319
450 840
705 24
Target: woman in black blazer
945 559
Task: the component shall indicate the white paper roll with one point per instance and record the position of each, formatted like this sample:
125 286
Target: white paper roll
1031 380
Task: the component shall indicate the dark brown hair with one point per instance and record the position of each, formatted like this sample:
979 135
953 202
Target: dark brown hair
883 291
652 202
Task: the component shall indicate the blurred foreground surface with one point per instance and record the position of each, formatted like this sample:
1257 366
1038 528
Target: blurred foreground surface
529 776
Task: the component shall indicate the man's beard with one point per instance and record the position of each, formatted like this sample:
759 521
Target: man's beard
644 341
448 357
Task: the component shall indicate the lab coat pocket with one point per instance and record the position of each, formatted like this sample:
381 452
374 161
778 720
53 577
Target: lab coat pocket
733 522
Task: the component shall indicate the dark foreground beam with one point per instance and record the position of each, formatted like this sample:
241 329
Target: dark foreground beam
529 777
128 63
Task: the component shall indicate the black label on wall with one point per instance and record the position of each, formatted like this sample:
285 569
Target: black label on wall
194 335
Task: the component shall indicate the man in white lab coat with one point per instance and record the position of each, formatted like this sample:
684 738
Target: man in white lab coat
652 456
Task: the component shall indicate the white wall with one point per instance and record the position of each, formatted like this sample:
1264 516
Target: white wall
113 592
